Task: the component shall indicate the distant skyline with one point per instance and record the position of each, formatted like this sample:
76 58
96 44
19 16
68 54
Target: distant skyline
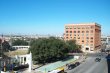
50 16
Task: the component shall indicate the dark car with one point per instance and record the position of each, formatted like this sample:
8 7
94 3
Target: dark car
71 66
77 63
98 59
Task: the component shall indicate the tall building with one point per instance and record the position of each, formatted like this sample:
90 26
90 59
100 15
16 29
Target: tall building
87 35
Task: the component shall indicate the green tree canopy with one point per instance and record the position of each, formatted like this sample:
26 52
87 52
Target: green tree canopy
6 46
72 46
50 49
19 42
47 50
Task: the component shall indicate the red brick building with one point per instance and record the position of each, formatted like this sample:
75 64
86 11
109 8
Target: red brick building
87 35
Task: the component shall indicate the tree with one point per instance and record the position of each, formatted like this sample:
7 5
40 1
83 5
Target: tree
47 50
6 46
51 49
72 46
19 42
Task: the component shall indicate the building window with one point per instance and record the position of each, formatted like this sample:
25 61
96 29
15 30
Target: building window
82 34
24 59
82 31
91 41
87 48
86 44
87 41
83 28
78 31
66 34
70 28
70 34
78 37
78 27
66 31
87 37
86 34
91 31
66 27
91 44
74 27
74 31
21 59
87 31
91 37
92 27
83 41
66 37
70 31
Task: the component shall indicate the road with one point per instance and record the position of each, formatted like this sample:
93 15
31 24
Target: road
90 66
89 54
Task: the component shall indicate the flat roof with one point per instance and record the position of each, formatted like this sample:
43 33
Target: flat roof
83 24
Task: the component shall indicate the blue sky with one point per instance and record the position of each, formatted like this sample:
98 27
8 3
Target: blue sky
50 16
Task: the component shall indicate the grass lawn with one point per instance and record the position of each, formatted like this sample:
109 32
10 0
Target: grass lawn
16 52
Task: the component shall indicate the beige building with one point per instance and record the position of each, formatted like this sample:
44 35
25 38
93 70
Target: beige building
87 35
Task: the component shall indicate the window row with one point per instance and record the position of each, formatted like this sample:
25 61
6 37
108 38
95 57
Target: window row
76 27
79 35
82 38
79 31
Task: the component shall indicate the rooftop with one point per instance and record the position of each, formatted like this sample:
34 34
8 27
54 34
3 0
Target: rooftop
83 24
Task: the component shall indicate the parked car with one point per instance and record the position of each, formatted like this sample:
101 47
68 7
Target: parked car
98 59
71 66
77 63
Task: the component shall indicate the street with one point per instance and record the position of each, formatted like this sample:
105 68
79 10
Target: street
90 66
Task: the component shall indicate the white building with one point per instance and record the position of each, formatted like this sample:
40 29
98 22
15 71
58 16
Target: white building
21 47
